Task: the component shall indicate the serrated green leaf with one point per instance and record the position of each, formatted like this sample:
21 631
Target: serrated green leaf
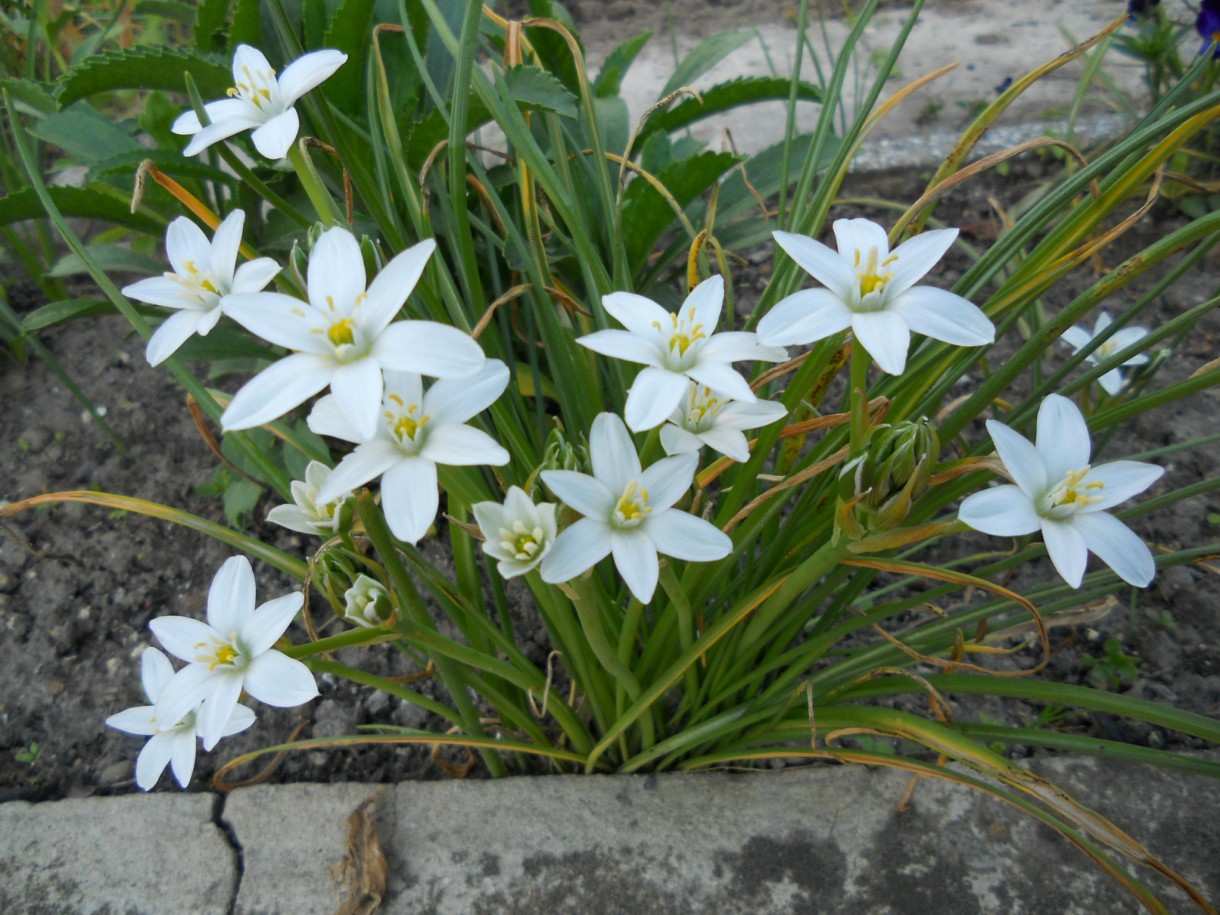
313 22
210 24
168 9
246 26
349 31
723 96
31 97
84 202
647 215
111 258
145 68
83 134
709 52
536 90
613 122
610 78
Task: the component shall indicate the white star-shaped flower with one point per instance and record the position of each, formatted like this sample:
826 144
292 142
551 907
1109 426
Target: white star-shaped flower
1060 493
628 511
174 745
872 290
517 534
417 431
205 274
307 515
230 652
675 350
1112 381
343 336
259 102
702 418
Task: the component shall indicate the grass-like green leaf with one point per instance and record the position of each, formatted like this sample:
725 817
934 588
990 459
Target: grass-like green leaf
112 258
33 96
83 202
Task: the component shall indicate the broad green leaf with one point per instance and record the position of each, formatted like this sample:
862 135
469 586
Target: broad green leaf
64 310
349 31
743 91
210 24
313 23
168 9
169 161
83 134
111 258
613 122
145 68
246 26
647 215
706 55
226 341
30 96
610 78
84 202
536 90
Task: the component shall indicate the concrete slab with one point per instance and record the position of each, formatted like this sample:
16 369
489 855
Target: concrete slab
824 840
153 853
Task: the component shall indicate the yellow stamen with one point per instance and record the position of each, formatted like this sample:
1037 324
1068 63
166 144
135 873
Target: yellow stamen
341 334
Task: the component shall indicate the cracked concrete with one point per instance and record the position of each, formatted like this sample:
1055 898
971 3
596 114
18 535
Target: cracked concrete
813 840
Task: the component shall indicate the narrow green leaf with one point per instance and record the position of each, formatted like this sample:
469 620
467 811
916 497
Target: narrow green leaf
610 78
83 134
111 258
706 55
63 310
84 202
34 97
349 31
145 68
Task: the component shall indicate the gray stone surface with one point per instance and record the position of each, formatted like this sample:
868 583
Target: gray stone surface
825 840
155 853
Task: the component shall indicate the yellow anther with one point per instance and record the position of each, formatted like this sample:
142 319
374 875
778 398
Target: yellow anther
226 654
407 426
871 279
632 506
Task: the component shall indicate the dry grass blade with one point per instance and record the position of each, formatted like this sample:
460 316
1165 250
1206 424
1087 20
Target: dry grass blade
361 874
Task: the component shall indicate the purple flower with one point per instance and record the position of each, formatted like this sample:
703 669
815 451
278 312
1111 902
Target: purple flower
1208 26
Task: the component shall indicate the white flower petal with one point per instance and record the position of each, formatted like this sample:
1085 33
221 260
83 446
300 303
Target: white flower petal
187 247
683 536
369 460
162 291
293 518
1021 459
326 418
581 492
214 713
721 378
231 596
1120 481
182 756
214 133
462 446
668 479
739 346
336 272
885 336
254 275
391 287
140 720
155 672
457 400
804 317
1063 437
409 498
266 624
916 256
1067 549
274 138
1112 382
173 332
577 548
250 58
279 319
676 440
241 719
860 235
635 312
277 389
180 635
654 395
1077 337
622 344
943 316
428 348
824 265
1118 547
225 243
308 71
226 109
1004 511
738 415
612 453
357 388
636 560
280 681
153 759
189 687
705 303
728 441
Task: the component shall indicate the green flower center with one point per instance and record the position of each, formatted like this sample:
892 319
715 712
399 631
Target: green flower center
521 541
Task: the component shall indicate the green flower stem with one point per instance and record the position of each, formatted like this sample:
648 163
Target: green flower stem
680 603
356 675
794 584
450 675
858 396
311 181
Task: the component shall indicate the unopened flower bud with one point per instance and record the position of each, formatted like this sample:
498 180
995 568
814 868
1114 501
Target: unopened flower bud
368 604
561 454
877 488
